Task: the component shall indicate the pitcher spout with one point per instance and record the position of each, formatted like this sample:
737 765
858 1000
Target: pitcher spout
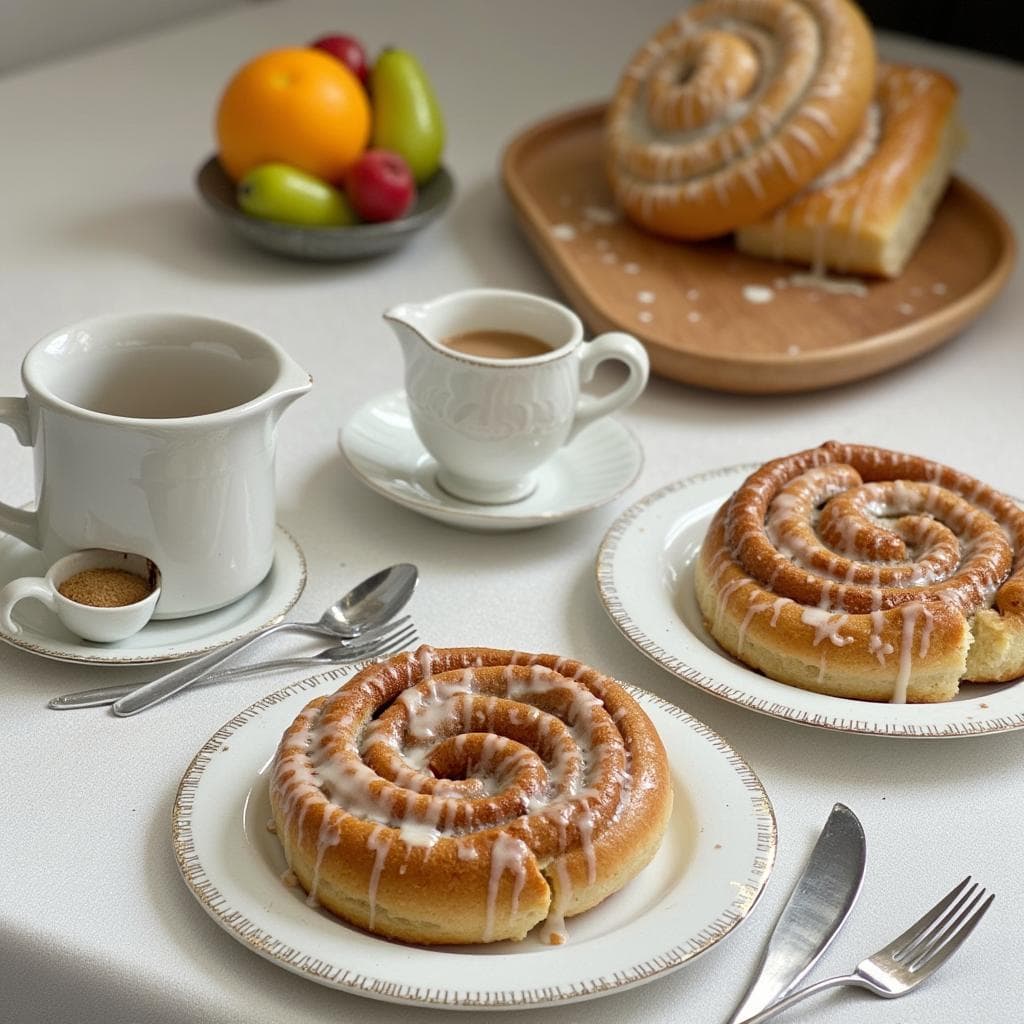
292 383
408 324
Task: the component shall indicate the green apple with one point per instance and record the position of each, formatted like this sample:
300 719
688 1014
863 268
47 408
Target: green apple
406 115
284 193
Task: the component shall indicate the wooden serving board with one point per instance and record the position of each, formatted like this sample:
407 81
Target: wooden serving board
711 316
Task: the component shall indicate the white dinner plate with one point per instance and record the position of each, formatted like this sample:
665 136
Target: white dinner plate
708 874
159 640
645 572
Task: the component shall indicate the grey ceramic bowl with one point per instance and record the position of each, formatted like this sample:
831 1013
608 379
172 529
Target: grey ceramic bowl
327 244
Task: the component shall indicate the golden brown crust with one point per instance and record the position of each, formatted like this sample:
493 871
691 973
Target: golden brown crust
733 107
465 794
870 218
862 572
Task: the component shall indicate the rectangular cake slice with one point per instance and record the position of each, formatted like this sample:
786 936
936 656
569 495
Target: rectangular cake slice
868 211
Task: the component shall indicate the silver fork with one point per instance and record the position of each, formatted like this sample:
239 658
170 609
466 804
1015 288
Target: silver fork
908 960
349 653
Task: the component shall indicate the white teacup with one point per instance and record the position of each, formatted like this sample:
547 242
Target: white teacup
491 422
155 434
102 625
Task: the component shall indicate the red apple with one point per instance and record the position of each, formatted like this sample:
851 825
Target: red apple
348 50
380 185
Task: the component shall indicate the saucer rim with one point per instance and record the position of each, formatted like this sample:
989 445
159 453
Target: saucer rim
100 658
468 511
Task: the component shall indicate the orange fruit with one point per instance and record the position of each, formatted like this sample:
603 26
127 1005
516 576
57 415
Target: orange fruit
298 106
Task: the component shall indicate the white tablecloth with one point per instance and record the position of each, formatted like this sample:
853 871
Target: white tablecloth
99 214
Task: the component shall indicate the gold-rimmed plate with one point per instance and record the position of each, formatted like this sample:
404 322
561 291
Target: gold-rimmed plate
645 569
704 881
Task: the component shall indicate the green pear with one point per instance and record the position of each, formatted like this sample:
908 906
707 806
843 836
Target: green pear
284 193
406 115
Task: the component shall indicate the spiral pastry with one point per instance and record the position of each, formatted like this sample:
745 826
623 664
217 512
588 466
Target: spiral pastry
861 572
465 794
733 107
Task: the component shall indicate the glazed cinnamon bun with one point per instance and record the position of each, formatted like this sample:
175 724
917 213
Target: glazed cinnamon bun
868 211
860 572
465 795
732 108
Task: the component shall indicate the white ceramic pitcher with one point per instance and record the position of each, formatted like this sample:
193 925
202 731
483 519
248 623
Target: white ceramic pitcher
490 422
155 434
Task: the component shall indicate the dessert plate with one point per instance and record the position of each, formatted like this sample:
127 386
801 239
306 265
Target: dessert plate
160 639
708 874
710 315
645 577
380 444
323 244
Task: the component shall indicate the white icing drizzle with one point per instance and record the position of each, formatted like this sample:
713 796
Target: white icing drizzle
508 854
574 762
553 930
380 844
328 836
825 626
826 524
910 614
717 104
600 214
823 282
758 294
752 610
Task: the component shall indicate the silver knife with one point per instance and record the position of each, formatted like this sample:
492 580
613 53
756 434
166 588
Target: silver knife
814 913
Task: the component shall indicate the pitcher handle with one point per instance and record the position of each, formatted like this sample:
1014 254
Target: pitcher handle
614 345
18 522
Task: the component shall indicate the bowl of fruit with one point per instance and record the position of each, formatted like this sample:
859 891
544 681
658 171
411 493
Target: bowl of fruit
323 156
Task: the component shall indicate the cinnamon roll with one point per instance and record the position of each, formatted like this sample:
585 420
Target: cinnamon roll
733 107
464 795
860 572
868 211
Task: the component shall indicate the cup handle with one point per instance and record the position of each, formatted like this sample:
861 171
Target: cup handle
20 522
614 345
17 590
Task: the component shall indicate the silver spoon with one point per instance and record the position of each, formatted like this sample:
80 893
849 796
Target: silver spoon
370 603
374 643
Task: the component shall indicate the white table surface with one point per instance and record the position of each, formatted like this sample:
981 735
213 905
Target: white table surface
99 214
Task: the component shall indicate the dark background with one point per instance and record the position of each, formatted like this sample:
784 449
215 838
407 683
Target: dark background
993 26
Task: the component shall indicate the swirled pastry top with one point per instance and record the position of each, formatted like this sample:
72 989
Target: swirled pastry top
733 107
463 795
861 571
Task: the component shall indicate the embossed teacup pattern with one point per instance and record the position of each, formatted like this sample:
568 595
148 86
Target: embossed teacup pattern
493 402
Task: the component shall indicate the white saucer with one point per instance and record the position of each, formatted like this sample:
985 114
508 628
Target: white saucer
381 446
161 639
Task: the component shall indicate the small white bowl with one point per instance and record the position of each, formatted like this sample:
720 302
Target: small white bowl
102 625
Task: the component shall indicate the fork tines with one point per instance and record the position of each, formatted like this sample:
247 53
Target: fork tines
390 644
940 932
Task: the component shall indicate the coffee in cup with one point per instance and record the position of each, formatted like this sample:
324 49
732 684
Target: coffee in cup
492 344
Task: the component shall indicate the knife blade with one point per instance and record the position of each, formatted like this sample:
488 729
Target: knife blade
820 902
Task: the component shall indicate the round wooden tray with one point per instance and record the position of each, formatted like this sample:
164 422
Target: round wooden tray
714 317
